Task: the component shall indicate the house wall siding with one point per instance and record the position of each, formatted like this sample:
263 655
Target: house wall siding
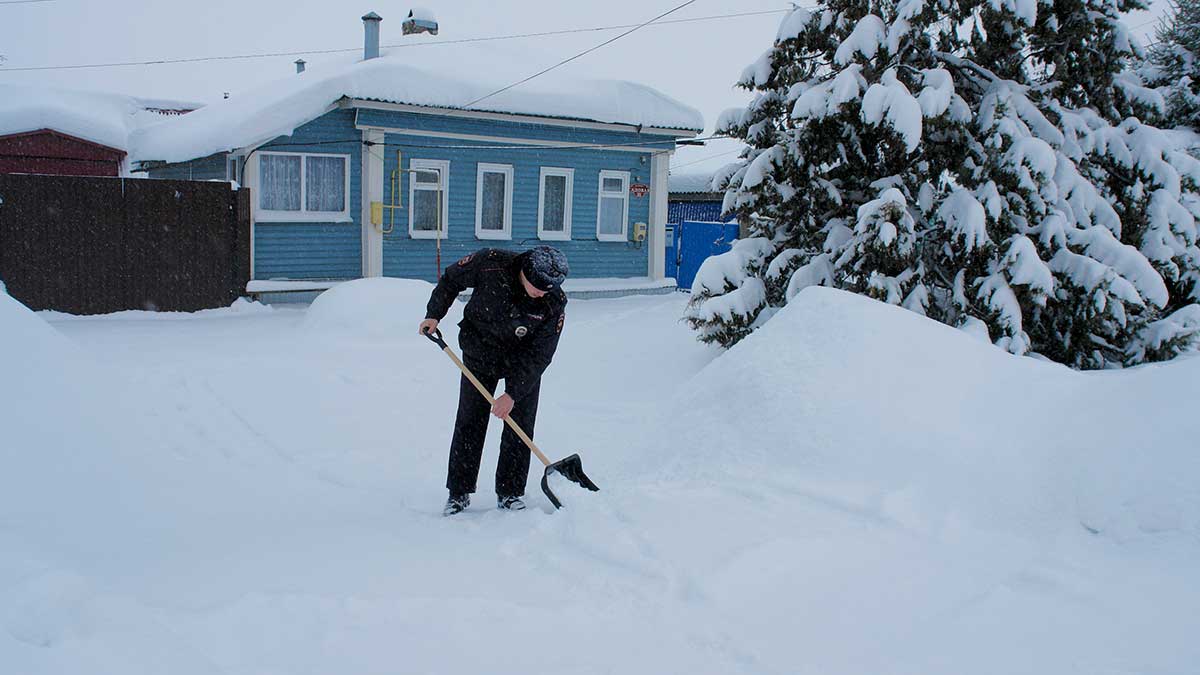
316 250
203 168
50 152
589 257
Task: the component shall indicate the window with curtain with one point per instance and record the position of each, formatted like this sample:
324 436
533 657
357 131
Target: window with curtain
554 203
279 187
325 183
428 182
493 201
612 216
303 186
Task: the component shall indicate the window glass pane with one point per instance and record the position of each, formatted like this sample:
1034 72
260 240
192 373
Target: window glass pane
612 215
554 201
280 189
428 177
425 204
325 184
492 211
613 185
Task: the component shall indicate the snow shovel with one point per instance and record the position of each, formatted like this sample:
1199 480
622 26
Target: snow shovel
570 468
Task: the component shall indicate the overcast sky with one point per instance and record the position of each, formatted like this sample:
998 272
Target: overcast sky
696 62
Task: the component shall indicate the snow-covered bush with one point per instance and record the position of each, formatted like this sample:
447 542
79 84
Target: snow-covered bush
972 161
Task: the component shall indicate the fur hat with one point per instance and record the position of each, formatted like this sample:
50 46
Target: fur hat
545 267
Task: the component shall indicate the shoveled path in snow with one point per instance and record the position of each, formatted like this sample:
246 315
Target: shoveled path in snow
276 509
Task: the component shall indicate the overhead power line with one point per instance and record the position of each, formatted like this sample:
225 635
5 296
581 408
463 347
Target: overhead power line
402 45
23 2
585 52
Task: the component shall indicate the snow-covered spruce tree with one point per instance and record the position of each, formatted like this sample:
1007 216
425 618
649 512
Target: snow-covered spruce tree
999 205
1067 191
835 125
1149 181
1083 52
1175 63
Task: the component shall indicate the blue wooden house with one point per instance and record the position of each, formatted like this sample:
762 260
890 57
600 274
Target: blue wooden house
380 168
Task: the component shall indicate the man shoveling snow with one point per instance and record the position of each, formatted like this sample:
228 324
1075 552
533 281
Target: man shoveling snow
510 331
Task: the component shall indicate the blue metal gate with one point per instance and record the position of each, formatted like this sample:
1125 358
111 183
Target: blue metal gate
694 243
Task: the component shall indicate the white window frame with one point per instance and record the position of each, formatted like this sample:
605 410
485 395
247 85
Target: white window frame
233 168
507 171
569 174
304 215
442 168
601 194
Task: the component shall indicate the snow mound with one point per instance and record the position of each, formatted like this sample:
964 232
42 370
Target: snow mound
45 376
920 423
378 306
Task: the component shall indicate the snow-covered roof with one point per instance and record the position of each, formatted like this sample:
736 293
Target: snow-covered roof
107 119
690 182
279 107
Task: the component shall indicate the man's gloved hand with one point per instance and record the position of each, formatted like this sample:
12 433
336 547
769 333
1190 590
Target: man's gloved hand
503 406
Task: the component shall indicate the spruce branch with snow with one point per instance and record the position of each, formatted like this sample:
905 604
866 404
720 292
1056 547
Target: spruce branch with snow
1174 63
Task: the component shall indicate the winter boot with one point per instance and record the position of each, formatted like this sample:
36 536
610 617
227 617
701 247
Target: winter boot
512 503
456 504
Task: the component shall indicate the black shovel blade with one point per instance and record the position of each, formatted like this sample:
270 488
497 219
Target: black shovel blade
570 468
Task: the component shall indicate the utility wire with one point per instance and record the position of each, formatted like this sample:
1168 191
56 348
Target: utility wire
585 52
306 52
23 2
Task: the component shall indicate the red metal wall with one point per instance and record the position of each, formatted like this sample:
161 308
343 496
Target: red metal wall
51 152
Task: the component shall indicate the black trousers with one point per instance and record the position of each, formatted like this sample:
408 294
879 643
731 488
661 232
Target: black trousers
470 431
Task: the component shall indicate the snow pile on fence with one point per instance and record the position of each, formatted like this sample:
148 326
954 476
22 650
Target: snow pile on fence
280 107
841 390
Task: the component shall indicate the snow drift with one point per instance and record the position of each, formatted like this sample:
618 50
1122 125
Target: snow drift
378 306
930 425
852 489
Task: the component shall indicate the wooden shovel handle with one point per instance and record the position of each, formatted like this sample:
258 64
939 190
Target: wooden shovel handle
490 399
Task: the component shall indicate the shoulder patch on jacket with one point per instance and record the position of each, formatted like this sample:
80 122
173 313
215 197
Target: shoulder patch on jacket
466 260
562 318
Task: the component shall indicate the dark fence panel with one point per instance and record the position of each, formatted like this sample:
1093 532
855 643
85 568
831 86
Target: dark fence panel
94 245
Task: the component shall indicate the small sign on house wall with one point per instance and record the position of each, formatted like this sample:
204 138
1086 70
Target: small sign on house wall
639 189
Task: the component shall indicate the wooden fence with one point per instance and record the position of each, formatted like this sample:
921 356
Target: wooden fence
88 245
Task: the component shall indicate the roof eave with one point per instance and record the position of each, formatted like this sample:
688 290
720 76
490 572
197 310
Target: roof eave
553 120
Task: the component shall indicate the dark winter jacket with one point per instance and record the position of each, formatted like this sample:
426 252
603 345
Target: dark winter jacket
501 323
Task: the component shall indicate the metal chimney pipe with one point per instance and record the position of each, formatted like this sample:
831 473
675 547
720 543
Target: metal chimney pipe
300 66
371 36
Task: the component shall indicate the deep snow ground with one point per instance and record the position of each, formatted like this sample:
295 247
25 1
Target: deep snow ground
259 492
